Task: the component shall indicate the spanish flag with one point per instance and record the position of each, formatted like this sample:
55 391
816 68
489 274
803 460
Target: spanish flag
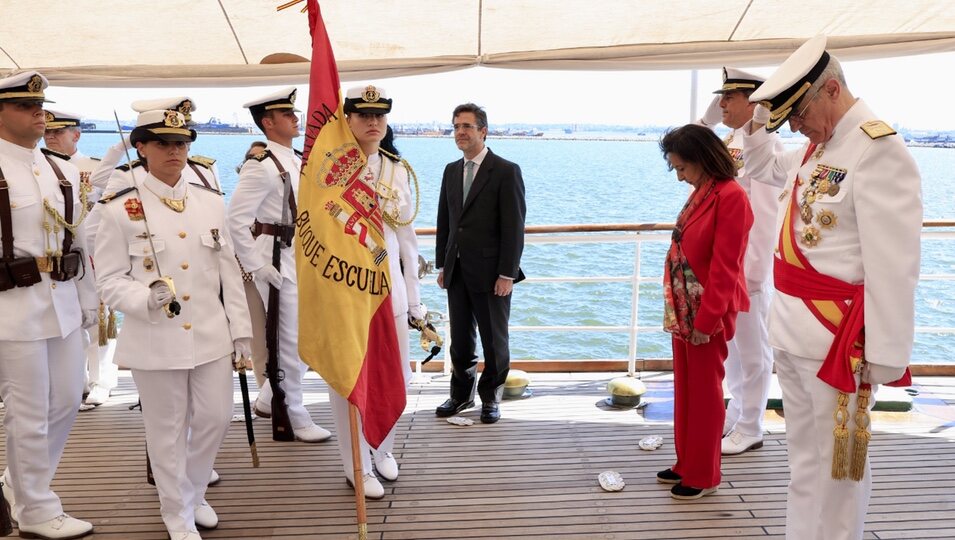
346 325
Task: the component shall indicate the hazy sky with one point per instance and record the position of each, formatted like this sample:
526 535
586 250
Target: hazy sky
915 92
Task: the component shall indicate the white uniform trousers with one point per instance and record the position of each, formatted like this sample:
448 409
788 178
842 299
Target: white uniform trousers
340 412
42 384
817 507
186 413
100 369
749 367
289 360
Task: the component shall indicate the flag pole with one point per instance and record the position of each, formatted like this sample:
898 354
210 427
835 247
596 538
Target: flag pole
357 473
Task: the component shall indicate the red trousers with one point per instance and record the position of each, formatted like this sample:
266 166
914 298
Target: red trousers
698 410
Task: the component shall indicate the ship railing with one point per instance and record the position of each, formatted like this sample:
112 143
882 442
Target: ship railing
638 234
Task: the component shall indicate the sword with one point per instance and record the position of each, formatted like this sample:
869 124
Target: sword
172 308
247 410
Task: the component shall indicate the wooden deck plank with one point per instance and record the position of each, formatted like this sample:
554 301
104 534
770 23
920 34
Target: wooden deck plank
531 476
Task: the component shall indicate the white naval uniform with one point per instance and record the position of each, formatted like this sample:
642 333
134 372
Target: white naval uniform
749 365
258 196
41 346
876 240
402 247
100 369
182 366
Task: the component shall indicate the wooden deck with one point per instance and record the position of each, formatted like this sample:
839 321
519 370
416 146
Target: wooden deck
531 476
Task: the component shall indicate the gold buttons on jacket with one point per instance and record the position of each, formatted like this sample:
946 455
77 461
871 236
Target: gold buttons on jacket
186 297
184 266
182 234
53 285
187 326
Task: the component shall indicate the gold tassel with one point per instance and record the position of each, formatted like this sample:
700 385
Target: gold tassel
111 332
860 448
840 450
102 325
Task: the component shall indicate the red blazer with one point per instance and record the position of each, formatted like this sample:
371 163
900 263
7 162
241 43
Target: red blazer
714 243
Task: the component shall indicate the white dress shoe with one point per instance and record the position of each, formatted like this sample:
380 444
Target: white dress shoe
62 527
737 443
206 516
262 409
312 434
97 396
184 536
386 466
214 478
373 488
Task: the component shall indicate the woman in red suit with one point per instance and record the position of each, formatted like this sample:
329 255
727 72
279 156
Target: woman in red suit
704 289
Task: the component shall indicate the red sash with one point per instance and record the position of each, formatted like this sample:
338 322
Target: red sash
837 305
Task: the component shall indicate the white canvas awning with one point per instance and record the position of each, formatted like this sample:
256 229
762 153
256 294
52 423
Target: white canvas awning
236 42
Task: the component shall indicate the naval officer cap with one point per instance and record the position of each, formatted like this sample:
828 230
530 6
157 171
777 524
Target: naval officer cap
182 104
790 82
61 119
367 99
737 80
24 87
161 125
278 100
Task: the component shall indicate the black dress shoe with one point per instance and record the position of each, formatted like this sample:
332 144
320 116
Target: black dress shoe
452 407
490 413
668 477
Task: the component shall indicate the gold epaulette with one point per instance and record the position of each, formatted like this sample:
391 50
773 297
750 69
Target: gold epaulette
110 196
54 153
126 166
212 189
876 129
202 160
261 156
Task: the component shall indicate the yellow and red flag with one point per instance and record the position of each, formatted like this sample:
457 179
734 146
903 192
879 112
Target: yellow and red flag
346 325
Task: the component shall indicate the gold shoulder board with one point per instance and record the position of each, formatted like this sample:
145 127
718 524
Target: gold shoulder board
202 160
109 197
876 129
54 153
126 166
261 155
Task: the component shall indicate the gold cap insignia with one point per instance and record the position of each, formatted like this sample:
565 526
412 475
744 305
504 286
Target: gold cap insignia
291 97
49 116
35 84
173 119
185 107
370 94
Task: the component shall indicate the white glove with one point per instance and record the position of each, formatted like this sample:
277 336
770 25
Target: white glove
159 295
90 318
243 348
270 275
760 114
876 374
122 145
714 113
417 311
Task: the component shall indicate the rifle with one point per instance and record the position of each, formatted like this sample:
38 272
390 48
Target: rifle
281 423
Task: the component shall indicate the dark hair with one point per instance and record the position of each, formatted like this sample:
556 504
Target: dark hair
699 145
477 110
388 145
258 115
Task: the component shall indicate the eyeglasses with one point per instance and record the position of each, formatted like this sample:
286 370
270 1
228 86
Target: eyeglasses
464 127
801 115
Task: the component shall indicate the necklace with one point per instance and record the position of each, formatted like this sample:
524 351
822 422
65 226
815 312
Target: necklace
178 205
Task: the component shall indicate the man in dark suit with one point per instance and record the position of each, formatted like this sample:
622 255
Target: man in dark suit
478 251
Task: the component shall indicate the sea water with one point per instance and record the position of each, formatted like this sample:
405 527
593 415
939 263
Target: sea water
607 181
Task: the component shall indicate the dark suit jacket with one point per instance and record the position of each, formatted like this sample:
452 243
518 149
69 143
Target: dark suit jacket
714 242
483 237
